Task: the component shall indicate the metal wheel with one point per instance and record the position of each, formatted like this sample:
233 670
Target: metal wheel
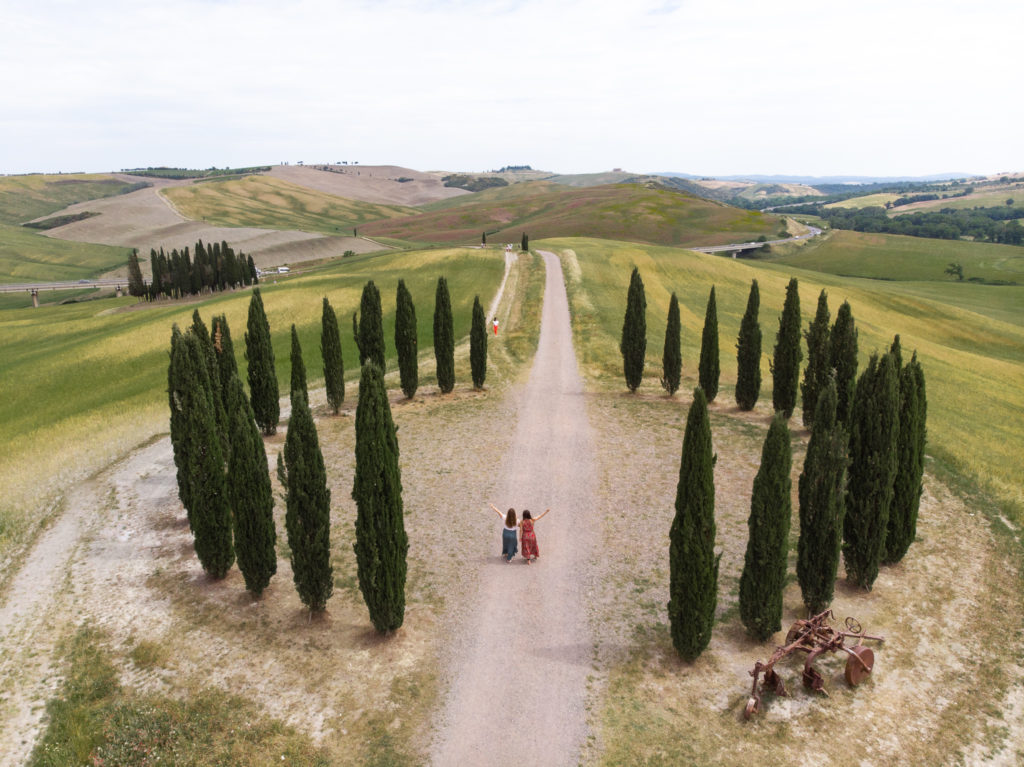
752 707
859 664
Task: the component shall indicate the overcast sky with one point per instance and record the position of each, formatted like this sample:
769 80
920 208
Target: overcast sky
715 87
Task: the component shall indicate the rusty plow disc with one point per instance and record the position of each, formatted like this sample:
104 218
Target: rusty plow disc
859 664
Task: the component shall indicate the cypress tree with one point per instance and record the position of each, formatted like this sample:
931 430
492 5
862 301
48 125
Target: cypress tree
843 360
308 507
136 285
634 332
225 351
873 431
525 244
334 365
262 377
406 341
818 370
672 358
298 382
708 368
444 337
483 238
786 359
478 345
821 488
179 383
209 355
748 353
693 566
252 499
211 510
381 542
907 486
370 328
764 567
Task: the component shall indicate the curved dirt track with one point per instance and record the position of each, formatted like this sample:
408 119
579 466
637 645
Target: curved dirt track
518 665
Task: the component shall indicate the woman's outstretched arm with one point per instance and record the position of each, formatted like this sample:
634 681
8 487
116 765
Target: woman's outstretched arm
496 511
538 519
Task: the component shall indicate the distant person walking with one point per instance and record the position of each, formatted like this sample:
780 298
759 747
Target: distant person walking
495 321
509 544
530 550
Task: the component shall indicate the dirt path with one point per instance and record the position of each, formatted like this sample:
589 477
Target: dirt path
519 661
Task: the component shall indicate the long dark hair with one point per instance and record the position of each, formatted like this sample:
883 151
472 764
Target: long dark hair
526 514
510 518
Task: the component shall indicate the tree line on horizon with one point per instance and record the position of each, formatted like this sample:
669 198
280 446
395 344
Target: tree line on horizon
860 487
222 472
212 268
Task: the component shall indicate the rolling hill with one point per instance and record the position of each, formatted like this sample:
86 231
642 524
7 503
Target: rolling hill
647 213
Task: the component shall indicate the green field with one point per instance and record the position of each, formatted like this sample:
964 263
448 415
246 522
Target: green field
23 198
867 201
974 364
270 203
27 256
983 197
897 257
85 382
643 213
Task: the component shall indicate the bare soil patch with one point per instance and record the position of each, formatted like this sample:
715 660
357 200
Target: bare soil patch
371 183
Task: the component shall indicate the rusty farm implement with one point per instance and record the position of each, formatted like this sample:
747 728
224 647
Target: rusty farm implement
814 636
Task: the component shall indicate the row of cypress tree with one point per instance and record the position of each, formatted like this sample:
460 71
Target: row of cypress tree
823 357
859 490
213 268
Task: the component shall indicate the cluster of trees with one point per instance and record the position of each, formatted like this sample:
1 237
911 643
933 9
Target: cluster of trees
211 268
993 224
223 477
860 487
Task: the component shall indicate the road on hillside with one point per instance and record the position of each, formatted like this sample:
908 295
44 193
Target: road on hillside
814 232
518 664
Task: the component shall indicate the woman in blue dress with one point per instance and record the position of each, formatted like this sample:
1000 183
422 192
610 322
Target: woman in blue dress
509 537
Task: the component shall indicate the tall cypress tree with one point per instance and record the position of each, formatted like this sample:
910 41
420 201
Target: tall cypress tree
708 368
478 345
179 384
406 341
907 486
308 507
259 353
821 488
764 567
634 332
843 360
525 244
444 337
298 381
370 337
786 359
748 353
211 510
136 285
381 542
818 371
213 380
873 431
693 566
334 365
223 347
672 358
252 499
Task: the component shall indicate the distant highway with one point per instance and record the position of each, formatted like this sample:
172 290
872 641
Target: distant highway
27 287
752 245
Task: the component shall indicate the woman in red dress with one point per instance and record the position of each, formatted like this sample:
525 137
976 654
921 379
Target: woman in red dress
529 537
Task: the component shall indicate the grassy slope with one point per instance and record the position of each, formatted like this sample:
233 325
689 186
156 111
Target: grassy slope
23 198
636 212
27 256
268 202
867 201
897 257
70 373
973 364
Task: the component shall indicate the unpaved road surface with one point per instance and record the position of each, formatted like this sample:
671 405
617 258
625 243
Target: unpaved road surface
519 662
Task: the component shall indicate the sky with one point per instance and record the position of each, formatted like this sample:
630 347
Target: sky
710 87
